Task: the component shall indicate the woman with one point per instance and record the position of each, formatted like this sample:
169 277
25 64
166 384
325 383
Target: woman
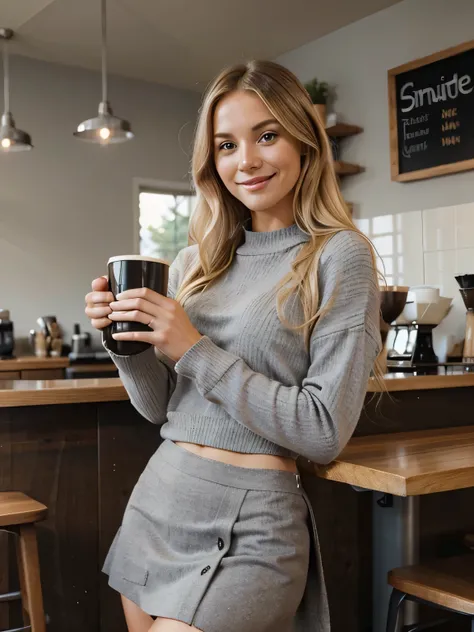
260 353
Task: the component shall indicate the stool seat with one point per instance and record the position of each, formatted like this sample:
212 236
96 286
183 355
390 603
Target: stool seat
18 515
448 583
17 508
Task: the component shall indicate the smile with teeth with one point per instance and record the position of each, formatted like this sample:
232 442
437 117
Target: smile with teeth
256 184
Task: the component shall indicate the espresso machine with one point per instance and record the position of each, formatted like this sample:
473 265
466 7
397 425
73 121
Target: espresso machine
411 339
466 288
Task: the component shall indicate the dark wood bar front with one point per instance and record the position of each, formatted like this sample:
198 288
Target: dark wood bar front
81 461
82 455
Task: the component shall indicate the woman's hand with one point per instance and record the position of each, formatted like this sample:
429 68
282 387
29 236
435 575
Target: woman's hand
173 333
98 303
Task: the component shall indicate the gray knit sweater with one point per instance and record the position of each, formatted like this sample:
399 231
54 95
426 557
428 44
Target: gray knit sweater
249 385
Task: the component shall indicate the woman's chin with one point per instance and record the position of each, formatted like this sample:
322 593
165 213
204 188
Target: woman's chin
260 203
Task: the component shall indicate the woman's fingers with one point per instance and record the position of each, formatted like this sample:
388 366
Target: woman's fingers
100 285
99 297
98 303
135 304
132 315
100 323
100 310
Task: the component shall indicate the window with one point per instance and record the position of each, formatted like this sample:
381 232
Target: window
164 223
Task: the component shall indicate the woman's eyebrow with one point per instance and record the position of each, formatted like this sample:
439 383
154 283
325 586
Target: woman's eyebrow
254 128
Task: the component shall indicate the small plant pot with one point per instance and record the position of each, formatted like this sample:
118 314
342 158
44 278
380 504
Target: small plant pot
321 112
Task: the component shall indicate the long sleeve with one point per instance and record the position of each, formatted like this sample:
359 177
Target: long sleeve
149 377
317 418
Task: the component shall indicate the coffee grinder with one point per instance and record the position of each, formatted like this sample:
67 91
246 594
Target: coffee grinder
466 288
393 300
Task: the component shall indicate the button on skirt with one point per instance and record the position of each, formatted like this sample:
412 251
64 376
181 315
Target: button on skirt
220 547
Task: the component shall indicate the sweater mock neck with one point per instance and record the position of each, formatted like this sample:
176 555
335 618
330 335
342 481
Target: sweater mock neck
260 243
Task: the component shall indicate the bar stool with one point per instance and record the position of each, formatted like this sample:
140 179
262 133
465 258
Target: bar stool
18 514
445 584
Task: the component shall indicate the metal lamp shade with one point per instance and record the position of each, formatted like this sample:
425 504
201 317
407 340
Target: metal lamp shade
11 138
104 128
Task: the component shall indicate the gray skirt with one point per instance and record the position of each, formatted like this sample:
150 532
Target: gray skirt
219 547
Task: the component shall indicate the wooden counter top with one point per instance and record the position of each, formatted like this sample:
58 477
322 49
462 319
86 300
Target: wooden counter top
32 362
407 463
42 392
406 382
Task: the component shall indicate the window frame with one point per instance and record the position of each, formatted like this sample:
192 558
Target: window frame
147 185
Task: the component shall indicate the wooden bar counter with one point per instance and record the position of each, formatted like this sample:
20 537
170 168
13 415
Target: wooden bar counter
79 446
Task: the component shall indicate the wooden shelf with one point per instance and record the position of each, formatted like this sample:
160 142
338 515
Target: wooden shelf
340 130
347 168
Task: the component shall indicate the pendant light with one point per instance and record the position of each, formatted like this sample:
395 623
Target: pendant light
11 138
104 128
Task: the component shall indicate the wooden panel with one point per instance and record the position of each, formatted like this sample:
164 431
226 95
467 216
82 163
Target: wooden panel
344 520
50 453
4 576
126 442
385 413
40 393
32 362
394 382
99 367
9 375
407 464
42 374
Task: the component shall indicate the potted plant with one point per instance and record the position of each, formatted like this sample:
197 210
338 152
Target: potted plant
318 92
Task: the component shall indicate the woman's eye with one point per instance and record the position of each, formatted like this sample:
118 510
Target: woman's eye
268 137
227 146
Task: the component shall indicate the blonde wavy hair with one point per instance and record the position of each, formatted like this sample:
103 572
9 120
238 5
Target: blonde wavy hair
319 209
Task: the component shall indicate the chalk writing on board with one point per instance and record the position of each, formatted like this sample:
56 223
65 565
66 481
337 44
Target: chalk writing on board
431 107
413 131
441 92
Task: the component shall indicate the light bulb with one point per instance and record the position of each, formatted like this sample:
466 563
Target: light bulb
6 142
104 133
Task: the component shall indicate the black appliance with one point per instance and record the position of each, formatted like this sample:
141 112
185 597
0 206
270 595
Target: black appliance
7 342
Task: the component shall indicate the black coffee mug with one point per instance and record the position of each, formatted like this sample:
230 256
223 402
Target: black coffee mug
129 272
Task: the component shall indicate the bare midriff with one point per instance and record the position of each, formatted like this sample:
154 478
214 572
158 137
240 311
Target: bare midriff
256 461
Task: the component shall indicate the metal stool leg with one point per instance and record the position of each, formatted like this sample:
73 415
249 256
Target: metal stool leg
30 577
472 624
396 599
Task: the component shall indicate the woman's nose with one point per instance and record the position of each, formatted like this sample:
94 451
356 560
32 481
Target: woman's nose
249 158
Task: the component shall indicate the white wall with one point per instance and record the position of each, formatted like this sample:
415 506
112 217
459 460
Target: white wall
355 60
428 247
66 206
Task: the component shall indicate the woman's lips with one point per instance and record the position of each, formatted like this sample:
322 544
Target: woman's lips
256 184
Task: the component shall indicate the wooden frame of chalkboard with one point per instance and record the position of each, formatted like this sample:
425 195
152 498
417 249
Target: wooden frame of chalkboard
431 106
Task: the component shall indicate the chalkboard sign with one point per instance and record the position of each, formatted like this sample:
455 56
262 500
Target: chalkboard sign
431 102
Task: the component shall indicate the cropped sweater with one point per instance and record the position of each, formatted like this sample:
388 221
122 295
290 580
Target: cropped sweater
249 385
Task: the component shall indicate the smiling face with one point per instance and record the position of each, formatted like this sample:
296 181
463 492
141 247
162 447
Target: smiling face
258 161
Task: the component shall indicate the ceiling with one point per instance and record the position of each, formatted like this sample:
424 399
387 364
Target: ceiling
181 43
